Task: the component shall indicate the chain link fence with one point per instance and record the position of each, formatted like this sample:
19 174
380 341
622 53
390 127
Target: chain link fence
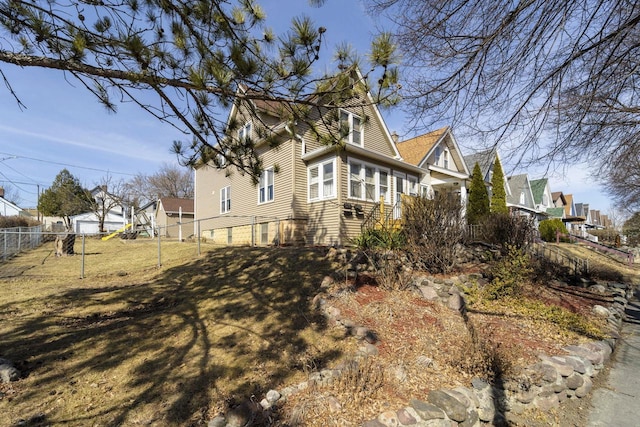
79 255
17 239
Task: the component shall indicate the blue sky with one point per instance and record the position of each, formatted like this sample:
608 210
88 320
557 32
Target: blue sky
64 126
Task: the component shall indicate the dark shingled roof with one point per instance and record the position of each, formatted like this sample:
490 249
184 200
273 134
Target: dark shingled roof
173 205
485 159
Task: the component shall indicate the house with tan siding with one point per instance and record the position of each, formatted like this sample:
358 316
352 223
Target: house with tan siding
174 217
443 167
322 179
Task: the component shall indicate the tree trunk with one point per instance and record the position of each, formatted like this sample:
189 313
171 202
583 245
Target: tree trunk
64 244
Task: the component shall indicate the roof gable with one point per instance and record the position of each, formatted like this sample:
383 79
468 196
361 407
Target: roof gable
537 189
416 149
520 184
173 205
485 159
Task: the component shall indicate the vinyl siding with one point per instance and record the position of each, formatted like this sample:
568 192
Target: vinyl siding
374 135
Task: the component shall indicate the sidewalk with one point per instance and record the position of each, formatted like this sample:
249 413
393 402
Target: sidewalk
617 402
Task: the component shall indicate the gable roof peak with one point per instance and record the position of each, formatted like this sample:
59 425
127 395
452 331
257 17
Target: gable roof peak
414 150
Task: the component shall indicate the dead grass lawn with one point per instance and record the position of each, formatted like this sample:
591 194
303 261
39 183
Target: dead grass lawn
135 345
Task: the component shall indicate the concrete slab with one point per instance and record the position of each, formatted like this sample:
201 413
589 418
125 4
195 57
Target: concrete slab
617 403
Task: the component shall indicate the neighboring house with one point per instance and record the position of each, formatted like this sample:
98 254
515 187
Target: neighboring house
595 219
10 209
558 199
486 160
542 196
87 223
174 217
438 155
112 211
582 212
311 192
521 201
571 220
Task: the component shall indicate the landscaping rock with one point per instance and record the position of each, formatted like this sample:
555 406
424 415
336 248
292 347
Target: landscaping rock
585 388
388 419
574 381
8 372
599 289
601 311
218 421
451 406
455 302
273 396
241 415
595 357
486 403
429 293
546 400
427 411
562 367
405 418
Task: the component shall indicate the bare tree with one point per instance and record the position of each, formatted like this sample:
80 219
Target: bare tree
550 80
623 176
169 181
12 194
108 195
187 62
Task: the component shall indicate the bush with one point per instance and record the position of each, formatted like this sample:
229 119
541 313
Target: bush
382 238
549 227
434 230
507 231
508 274
17 221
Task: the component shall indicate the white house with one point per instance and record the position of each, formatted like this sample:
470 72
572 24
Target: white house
89 223
9 209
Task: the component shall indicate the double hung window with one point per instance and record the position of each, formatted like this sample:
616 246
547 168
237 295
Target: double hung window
265 186
321 180
351 127
225 199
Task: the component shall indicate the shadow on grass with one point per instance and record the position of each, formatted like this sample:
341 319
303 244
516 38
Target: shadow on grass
230 325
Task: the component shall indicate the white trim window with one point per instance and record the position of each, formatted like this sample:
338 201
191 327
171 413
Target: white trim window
222 159
265 186
445 159
321 180
244 132
368 182
436 160
352 124
413 185
225 199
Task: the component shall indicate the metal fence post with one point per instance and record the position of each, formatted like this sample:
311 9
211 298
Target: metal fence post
4 252
198 236
159 255
82 262
253 231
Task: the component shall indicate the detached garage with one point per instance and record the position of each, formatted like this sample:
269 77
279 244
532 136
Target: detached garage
87 223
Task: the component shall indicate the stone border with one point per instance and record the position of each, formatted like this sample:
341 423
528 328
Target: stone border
543 385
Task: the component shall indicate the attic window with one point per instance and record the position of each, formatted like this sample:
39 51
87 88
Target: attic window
244 132
350 128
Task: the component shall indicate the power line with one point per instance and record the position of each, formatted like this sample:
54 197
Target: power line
68 164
